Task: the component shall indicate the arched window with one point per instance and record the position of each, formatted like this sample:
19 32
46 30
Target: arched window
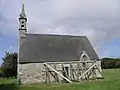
84 58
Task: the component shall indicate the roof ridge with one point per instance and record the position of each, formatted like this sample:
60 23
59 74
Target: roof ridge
58 35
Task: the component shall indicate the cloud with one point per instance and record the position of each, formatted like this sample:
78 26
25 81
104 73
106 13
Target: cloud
65 8
97 19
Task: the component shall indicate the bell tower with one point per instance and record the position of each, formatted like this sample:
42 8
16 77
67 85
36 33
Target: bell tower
22 23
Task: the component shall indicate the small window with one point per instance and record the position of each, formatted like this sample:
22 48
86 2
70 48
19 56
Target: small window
22 25
84 64
22 22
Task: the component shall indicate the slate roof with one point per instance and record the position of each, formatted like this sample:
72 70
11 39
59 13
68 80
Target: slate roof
37 48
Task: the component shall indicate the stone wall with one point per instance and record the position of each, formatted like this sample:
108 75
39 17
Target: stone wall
35 72
31 73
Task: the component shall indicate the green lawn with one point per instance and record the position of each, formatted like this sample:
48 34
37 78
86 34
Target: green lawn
111 82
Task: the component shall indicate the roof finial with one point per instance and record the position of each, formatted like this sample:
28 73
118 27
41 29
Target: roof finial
23 10
22 1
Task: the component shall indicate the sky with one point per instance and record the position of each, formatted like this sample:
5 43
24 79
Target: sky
99 20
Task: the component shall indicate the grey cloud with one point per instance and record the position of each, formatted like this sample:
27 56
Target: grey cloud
104 29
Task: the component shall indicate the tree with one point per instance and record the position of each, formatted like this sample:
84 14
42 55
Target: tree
9 65
0 70
110 63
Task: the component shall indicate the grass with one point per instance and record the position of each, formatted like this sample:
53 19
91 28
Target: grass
111 82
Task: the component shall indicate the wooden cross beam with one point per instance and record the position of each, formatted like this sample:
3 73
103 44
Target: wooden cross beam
87 71
57 72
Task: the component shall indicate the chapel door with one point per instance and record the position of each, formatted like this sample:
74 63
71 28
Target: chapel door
66 72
